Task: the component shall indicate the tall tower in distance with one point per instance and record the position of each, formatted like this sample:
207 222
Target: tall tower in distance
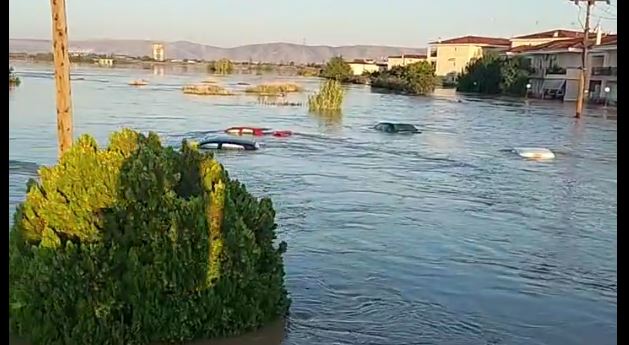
158 52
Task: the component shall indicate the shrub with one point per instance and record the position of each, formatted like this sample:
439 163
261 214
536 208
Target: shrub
13 79
138 243
206 89
337 69
274 88
417 78
329 98
492 74
222 66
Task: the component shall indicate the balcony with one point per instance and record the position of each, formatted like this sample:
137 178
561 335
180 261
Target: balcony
556 70
605 71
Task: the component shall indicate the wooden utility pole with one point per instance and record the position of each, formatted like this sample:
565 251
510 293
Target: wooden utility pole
584 53
62 74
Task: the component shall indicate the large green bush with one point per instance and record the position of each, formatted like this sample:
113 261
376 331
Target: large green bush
494 74
138 243
417 78
337 69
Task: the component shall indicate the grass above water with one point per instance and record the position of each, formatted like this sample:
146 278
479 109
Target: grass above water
274 88
206 90
329 98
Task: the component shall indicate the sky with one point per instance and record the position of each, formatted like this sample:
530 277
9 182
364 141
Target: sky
229 23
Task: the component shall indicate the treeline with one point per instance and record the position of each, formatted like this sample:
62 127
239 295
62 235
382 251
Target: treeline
416 79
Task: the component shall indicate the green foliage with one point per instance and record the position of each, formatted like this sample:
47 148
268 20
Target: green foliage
492 74
222 66
416 78
337 69
308 71
206 89
329 98
14 80
274 88
137 244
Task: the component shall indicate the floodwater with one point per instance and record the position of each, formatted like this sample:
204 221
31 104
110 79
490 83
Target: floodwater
438 238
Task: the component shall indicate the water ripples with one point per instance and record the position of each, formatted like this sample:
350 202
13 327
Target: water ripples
445 237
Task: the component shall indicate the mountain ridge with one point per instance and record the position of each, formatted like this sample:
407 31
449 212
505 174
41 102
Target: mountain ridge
274 52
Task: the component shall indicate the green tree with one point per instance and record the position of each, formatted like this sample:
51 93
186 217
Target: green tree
482 75
420 78
493 74
222 66
417 78
337 69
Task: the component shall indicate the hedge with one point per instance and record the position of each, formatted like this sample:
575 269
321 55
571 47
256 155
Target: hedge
139 243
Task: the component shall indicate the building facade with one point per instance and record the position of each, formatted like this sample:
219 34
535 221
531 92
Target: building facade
555 68
158 52
451 56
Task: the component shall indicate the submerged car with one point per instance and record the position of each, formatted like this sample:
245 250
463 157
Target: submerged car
257 131
390 127
228 143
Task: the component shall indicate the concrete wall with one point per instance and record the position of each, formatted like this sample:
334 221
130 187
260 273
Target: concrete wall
360 68
453 58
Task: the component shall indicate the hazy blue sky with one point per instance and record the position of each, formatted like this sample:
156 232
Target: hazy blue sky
228 23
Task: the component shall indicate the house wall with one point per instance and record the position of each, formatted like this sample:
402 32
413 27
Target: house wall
453 58
360 68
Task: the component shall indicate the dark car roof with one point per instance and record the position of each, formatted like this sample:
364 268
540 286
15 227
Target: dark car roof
226 140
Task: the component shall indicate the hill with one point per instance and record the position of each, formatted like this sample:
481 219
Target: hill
266 52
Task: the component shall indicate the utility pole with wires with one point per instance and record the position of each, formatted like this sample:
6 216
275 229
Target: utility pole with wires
62 74
584 52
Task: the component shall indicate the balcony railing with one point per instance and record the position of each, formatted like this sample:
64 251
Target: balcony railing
605 71
556 70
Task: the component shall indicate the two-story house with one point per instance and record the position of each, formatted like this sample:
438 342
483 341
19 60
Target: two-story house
556 66
451 56
603 64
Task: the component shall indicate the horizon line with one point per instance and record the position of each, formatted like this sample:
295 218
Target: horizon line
214 46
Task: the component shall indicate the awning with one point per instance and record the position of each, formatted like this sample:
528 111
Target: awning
553 84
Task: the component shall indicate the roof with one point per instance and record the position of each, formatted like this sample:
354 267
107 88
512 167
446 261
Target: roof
480 40
567 44
609 40
410 56
558 33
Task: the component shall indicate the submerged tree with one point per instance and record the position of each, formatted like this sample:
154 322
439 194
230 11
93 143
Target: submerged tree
493 74
222 66
337 69
417 78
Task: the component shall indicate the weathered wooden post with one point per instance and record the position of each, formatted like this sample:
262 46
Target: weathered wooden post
62 74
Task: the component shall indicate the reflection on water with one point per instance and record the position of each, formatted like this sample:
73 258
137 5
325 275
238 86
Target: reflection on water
444 237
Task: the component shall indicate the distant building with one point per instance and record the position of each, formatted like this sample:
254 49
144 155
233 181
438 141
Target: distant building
80 52
158 52
360 66
404 60
105 62
453 55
